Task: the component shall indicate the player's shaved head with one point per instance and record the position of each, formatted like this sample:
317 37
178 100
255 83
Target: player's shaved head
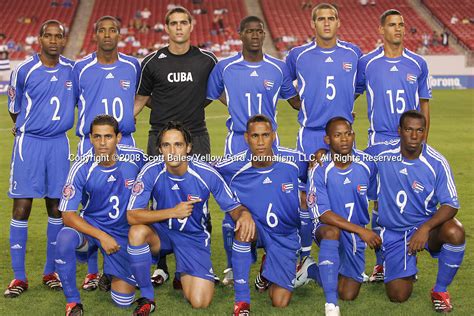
249 19
324 6
178 126
414 115
104 119
178 10
387 13
48 23
259 118
335 120
107 18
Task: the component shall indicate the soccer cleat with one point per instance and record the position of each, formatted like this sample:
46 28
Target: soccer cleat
377 274
52 281
302 271
91 282
228 277
105 283
261 284
177 284
441 301
241 309
74 309
332 310
145 307
159 277
15 288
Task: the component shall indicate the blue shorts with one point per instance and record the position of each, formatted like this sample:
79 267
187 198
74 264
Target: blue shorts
39 166
397 262
380 142
85 143
281 256
191 250
310 140
235 143
351 255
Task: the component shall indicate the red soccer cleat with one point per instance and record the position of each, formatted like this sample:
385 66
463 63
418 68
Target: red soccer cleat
15 288
145 307
441 301
241 309
52 281
74 309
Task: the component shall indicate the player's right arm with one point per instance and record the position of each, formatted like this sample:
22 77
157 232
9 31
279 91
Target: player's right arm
146 82
139 103
215 84
15 93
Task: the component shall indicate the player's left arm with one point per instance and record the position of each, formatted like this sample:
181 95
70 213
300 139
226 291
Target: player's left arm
288 90
295 102
244 223
425 110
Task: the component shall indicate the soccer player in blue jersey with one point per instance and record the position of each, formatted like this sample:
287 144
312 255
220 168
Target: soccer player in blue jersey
338 198
249 83
275 211
41 105
105 82
326 72
101 181
180 187
417 207
396 80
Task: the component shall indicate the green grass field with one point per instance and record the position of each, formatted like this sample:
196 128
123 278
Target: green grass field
451 118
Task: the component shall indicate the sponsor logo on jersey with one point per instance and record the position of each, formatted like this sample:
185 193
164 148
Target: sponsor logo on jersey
268 84
109 76
180 77
287 187
125 84
311 199
267 180
54 78
411 78
11 93
129 183
175 187
68 84
111 178
347 180
362 189
394 68
329 60
138 188
404 171
347 66
254 74
192 197
68 192
417 187
162 56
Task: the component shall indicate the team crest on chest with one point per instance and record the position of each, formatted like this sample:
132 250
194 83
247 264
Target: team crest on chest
411 78
287 187
193 197
68 84
417 186
268 84
125 84
129 183
362 189
347 66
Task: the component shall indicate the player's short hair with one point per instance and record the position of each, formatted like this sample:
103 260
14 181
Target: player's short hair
178 9
46 23
105 119
412 114
249 19
105 18
259 118
334 120
175 125
324 6
387 13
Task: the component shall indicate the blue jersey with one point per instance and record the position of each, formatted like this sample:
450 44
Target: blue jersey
271 195
409 191
106 89
167 190
326 81
250 87
42 97
394 86
345 192
103 191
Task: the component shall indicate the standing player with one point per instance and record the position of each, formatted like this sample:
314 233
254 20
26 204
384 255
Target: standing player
105 82
179 184
413 180
252 82
101 180
338 198
396 80
41 104
276 215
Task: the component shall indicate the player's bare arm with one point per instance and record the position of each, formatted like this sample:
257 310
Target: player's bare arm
139 104
425 109
420 237
244 223
147 217
295 102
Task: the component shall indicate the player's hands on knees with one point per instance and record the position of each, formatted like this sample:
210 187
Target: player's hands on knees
418 240
184 209
245 227
109 244
371 238
317 158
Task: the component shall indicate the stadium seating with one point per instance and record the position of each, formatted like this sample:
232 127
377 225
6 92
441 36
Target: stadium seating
21 18
359 24
126 10
444 10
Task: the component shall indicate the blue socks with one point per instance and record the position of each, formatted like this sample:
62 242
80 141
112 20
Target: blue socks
329 268
449 260
67 241
122 300
18 237
228 236
241 261
140 263
376 228
54 226
313 273
305 233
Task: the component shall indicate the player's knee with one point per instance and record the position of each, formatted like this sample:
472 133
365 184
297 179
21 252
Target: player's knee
281 301
21 212
330 232
399 294
348 295
137 234
453 232
200 301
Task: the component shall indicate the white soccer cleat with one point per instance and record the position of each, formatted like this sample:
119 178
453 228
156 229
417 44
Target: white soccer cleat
228 277
332 310
302 271
159 277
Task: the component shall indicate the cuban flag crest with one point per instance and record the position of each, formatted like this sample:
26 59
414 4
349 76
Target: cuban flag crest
192 197
411 78
347 66
362 189
417 187
268 84
68 84
287 187
129 183
125 84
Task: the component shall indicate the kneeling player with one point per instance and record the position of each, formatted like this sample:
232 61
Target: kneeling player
338 193
414 180
101 181
180 188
